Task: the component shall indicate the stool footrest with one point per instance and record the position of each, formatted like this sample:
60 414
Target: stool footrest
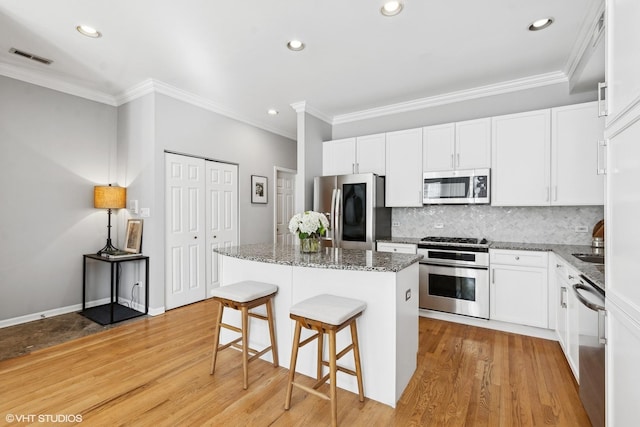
233 343
258 353
308 340
231 327
341 368
311 390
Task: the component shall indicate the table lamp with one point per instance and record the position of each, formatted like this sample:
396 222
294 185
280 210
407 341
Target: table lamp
108 197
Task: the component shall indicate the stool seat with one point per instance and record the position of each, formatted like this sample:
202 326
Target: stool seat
244 291
329 309
245 296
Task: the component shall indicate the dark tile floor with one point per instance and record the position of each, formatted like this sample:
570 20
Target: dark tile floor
23 339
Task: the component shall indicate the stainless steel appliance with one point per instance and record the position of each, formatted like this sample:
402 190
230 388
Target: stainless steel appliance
454 275
591 321
471 186
354 206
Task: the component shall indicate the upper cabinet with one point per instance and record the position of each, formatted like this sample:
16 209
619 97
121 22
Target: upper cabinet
575 133
547 157
461 145
520 147
354 155
403 185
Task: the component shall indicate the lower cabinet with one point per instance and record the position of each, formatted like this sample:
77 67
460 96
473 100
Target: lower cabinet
567 326
519 287
401 248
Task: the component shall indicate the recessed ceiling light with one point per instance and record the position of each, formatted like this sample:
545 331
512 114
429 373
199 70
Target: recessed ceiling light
88 31
272 112
540 24
295 45
391 8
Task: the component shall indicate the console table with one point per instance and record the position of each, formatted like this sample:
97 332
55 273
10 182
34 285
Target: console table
113 311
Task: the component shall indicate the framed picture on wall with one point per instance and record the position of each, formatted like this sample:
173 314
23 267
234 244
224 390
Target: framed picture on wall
133 238
258 189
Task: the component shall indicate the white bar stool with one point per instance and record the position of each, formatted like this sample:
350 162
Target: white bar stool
244 296
326 314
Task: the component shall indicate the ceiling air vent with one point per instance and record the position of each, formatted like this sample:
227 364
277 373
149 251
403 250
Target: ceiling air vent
31 56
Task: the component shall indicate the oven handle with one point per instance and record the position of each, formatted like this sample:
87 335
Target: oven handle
474 267
602 313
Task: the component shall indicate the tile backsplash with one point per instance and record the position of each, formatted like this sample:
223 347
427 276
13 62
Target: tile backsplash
540 224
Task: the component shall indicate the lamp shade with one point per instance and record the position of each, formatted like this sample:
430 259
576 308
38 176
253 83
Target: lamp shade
108 197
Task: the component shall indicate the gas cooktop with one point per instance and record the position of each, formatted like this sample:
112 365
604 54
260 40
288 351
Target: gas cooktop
456 240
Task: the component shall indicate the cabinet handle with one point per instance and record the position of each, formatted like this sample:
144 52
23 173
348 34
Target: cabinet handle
458 156
570 277
493 276
558 265
195 237
601 164
602 99
563 294
555 193
517 258
452 165
353 168
602 327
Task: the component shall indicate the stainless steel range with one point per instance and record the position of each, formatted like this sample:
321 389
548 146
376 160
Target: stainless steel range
454 275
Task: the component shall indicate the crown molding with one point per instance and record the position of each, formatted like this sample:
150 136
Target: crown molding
452 97
584 39
39 78
303 107
156 86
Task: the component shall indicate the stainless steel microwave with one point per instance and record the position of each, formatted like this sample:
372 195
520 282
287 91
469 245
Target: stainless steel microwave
471 186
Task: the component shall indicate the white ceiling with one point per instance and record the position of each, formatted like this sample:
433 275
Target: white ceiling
233 55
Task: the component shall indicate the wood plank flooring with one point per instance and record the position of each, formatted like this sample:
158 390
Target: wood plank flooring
155 371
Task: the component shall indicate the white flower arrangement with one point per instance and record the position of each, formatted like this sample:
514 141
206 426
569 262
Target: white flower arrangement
309 224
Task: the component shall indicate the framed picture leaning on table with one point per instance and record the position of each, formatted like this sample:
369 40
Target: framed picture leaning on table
133 238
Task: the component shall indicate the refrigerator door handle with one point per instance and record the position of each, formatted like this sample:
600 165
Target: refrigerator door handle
332 215
337 233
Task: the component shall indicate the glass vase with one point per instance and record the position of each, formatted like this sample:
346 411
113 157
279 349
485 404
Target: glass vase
310 245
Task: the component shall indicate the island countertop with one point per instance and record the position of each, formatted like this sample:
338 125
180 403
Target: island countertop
331 258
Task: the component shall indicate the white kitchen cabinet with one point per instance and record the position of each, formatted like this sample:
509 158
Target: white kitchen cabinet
362 154
400 248
567 317
521 159
461 145
403 185
519 287
575 131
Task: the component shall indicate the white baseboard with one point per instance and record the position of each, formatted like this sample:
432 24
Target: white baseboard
531 331
70 309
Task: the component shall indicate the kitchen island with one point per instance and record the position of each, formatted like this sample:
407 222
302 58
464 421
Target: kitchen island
387 330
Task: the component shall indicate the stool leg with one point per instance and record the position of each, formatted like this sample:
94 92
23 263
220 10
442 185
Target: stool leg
272 333
245 347
320 354
356 357
292 365
216 339
332 377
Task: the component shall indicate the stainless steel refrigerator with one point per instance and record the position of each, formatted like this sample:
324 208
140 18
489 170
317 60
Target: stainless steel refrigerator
354 206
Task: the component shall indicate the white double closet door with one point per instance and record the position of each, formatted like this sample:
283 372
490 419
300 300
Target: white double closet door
201 215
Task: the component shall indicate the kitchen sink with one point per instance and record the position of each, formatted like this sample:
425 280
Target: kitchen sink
592 258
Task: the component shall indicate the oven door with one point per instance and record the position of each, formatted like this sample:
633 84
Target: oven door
458 290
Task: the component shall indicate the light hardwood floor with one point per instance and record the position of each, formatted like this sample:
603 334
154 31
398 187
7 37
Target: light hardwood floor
156 372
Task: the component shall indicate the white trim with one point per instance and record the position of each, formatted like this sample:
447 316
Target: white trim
584 39
71 309
626 117
624 305
303 107
156 86
539 80
530 331
38 79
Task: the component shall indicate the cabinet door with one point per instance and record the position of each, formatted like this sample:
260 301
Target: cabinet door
575 131
473 144
438 145
520 150
340 156
404 168
370 154
519 295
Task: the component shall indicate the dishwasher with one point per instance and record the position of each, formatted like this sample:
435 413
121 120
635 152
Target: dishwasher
591 321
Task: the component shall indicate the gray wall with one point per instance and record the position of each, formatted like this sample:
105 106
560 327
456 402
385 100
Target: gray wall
514 102
151 125
55 148
315 132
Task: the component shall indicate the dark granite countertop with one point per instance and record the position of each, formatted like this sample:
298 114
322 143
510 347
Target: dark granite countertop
593 272
338 259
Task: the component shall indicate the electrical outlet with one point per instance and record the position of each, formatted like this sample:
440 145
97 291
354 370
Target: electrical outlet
438 225
581 229
145 212
395 224
133 207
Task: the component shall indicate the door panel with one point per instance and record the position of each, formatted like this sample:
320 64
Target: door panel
285 206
